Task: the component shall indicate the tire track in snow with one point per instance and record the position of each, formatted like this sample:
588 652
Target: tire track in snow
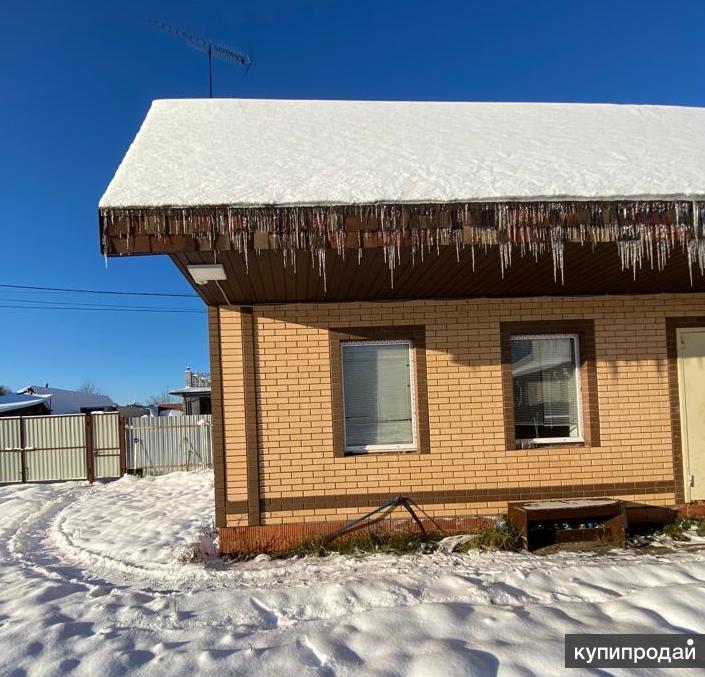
26 545
35 542
43 545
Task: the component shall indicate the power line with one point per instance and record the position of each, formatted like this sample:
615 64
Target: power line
104 310
95 305
98 291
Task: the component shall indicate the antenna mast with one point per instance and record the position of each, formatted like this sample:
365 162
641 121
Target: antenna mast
210 48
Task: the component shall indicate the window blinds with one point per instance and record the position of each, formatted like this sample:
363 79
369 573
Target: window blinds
377 394
545 384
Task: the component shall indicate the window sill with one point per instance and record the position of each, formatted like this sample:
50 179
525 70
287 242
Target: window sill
548 441
379 452
554 446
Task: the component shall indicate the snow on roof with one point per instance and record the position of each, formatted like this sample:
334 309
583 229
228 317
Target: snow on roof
14 401
248 152
70 401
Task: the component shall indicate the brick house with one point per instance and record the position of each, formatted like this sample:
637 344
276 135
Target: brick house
467 304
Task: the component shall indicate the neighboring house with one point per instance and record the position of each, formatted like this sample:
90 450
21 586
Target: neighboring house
133 410
196 393
467 304
166 409
16 404
160 409
62 401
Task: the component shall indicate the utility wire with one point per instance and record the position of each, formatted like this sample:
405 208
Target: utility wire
98 291
105 310
96 305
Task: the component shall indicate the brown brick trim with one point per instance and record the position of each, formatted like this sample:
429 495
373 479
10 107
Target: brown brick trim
417 335
249 373
672 325
585 329
218 419
236 507
372 500
281 537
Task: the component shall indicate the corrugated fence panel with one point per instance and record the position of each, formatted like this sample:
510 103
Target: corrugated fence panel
55 447
159 445
106 444
10 466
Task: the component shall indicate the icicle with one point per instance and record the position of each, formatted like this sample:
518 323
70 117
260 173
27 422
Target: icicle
557 254
322 267
641 229
414 238
696 231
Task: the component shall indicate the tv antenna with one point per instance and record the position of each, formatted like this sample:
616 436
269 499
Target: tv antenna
209 48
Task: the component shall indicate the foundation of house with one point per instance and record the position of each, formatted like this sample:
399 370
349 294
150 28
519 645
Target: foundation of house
279 538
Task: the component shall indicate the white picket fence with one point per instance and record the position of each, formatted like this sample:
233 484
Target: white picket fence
96 446
167 443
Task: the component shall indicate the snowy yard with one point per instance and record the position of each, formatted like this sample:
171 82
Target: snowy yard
91 586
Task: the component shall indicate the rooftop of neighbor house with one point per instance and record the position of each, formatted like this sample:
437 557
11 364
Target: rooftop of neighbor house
17 401
248 152
63 401
196 383
191 390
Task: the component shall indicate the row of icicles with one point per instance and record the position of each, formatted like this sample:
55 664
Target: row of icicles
642 230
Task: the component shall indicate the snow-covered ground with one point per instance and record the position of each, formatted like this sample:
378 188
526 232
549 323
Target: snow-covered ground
91 585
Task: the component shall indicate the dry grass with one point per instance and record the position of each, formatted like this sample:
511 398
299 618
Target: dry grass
502 537
368 541
676 530
202 549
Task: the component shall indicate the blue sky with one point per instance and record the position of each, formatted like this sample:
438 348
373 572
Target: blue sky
76 79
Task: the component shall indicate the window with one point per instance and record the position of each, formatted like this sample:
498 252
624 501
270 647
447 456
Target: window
378 395
546 388
384 366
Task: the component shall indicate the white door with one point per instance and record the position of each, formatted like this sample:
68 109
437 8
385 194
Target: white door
691 387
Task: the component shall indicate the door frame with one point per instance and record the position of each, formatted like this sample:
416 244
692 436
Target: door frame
678 438
683 331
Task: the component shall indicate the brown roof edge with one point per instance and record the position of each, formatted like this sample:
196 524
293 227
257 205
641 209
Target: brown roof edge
169 229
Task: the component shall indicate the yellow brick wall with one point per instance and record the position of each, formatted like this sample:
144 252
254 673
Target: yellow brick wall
465 402
233 413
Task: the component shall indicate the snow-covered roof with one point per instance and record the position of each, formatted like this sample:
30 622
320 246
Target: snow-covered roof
248 152
70 401
14 401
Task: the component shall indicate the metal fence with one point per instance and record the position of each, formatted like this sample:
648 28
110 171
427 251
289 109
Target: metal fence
71 447
95 446
164 444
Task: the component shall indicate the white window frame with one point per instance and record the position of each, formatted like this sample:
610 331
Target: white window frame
578 387
413 446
